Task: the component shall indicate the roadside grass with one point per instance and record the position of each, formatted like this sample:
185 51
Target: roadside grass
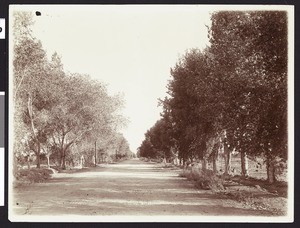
256 168
249 192
257 175
205 180
25 176
279 188
249 198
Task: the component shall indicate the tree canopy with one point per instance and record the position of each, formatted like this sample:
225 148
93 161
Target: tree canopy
233 92
55 111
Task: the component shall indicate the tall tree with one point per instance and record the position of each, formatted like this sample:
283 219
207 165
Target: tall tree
54 110
32 96
250 52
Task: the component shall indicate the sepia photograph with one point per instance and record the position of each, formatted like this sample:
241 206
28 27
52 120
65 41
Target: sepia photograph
151 113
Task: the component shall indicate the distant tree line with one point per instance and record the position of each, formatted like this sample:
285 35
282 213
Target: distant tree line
230 96
58 116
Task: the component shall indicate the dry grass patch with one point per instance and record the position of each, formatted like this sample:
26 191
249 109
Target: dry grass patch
247 195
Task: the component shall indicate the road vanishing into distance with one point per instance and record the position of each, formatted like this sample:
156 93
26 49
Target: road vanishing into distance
131 187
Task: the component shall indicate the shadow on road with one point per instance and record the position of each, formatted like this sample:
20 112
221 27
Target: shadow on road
129 188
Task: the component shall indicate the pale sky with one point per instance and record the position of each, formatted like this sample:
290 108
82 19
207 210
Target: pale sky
130 48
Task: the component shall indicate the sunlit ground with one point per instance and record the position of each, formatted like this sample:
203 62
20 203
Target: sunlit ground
129 188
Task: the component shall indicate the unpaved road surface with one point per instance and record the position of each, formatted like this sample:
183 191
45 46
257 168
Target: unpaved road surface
132 187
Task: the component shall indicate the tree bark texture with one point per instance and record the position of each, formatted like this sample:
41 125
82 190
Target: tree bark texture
215 159
271 176
204 164
28 162
38 159
227 156
244 164
30 112
48 161
63 165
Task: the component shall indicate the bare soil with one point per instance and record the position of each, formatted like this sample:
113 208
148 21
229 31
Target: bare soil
132 187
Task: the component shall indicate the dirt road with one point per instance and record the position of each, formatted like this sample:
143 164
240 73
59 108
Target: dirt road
131 187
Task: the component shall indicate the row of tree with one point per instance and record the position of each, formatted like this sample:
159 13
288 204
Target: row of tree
230 96
59 115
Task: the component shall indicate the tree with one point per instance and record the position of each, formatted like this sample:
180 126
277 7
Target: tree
85 109
123 150
193 105
250 52
234 92
53 110
32 96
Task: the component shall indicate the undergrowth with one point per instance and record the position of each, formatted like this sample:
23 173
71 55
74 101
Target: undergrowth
206 180
250 201
25 176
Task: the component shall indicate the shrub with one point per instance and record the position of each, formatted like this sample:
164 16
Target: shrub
33 175
206 180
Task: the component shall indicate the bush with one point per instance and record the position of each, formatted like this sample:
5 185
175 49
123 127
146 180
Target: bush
33 175
204 180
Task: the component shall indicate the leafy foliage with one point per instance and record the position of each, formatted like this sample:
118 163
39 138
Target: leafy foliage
157 142
57 114
234 92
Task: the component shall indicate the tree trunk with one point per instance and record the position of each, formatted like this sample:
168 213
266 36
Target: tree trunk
204 164
244 164
28 162
30 112
271 170
63 159
184 162
82 161
93 160
63 162
38 160
165 161
64 149
227 155
60 160
215 158
96 153
48 161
